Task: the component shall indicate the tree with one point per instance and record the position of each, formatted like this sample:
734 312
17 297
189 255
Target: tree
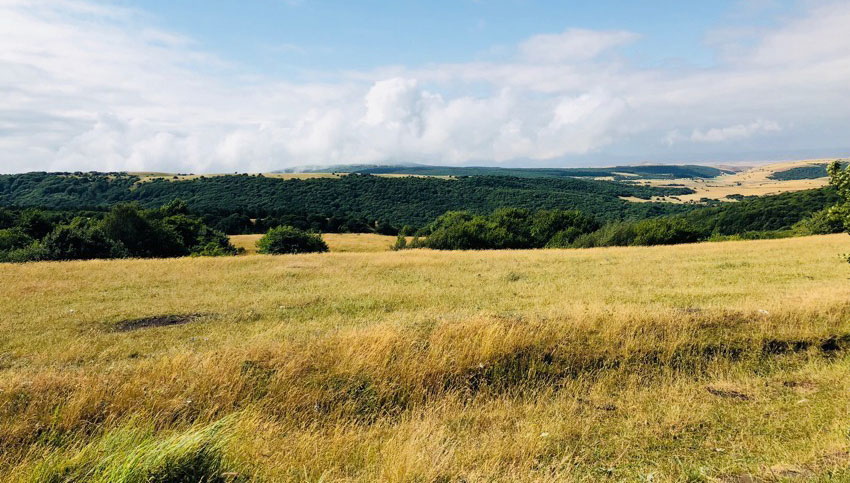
840 178
142 236
80 240
286 239
35 224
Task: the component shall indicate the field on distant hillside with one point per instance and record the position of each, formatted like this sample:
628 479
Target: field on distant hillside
756 181
706 362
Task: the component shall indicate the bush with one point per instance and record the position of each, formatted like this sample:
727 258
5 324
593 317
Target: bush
286 239
654 231
197 238
664 231
400 243
142 236
823 222
13 239
508 228
613 234
124 231
30 253
564 238
81 240
35 224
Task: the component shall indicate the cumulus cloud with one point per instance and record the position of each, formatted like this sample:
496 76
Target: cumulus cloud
90 85
573 45
739 131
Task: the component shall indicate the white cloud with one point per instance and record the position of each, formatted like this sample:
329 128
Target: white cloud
92 86
730 133
573 45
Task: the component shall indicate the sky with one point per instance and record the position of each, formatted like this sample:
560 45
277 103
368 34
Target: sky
259 85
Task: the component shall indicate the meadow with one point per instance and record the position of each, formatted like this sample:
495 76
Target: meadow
704 362
749 181
337 242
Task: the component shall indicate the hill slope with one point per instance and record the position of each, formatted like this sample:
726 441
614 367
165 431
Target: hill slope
407 200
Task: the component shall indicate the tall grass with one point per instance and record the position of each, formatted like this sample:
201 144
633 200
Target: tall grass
700 362
134 453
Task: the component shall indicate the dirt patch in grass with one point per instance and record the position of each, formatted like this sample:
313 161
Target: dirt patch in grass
128 325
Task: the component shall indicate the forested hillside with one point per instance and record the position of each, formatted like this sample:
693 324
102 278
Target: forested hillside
397 201
364 203
813 171
764 213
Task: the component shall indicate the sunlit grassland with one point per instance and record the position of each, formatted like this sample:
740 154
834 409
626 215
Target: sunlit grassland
701 362
754 181
337 242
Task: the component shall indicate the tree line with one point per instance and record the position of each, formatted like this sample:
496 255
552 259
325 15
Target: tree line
124 231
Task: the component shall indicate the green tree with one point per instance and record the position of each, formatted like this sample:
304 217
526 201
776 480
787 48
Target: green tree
286 239
13 238
80 240
143 237
840 178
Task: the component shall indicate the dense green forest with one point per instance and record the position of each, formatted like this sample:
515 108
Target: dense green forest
123 231
617 172
766 213
403 201
813 171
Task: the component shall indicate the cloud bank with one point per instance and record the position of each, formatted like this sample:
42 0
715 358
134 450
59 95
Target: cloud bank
93 86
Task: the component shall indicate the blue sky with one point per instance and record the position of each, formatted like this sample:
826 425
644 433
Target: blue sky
330 35
266 84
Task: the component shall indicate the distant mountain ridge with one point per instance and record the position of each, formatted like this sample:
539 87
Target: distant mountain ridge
651 171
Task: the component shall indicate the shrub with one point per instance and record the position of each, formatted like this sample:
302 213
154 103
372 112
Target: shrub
664 231
566 225
30 253
400 243
564 238
142 236
197 238
80 240
472 234
286 239
821 222
35 224
613 234
508 228
14 238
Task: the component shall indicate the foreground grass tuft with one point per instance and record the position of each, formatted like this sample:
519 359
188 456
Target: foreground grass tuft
134 454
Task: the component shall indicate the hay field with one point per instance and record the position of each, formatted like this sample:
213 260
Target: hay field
337 242
749 181
710 362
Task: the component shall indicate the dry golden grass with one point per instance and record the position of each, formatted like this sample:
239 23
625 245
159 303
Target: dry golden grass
337 242
751 181
700 362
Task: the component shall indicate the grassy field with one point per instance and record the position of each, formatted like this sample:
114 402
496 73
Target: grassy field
751 181
337 242
710 362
